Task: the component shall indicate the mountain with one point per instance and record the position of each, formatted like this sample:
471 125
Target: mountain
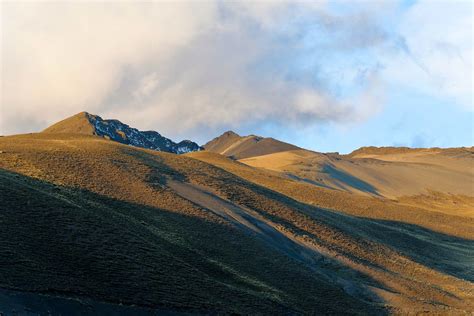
108 226
89 124
436 179
439 179
372 151
235 146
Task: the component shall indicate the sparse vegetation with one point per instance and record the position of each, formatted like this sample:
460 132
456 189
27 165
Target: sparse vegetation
353 204
120 234
81 221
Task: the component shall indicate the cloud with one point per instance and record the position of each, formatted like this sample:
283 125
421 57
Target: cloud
167 66
60 58
436 38
182 67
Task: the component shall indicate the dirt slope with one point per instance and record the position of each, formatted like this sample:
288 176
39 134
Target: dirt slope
441 180
221 143
232 145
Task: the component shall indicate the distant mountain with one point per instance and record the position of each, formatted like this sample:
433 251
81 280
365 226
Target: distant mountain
89 124
235 146
376 151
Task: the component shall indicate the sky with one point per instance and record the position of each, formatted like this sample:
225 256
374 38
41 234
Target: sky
324 75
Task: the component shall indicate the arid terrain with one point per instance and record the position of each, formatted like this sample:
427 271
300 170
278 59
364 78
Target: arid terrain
434 178
242 157
93 225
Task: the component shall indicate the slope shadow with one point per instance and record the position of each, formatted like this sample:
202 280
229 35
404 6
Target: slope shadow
71 242
417 243
349 179
445 253
31 303
321 185
448 254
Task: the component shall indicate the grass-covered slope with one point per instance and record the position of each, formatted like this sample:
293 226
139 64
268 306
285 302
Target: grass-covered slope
352 204
398 173
57 240
82 216
77 124
235 146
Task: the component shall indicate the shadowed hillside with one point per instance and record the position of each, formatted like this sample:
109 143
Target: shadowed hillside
152 229
136 242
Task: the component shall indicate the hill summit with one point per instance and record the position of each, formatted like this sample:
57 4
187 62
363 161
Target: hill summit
233 145
90 124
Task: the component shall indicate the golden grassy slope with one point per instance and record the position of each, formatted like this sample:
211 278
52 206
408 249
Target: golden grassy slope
360 206
383 151
222 142
83 216
283 160
455 204
353 204
78 124
171 240
239 147
455 159
410 175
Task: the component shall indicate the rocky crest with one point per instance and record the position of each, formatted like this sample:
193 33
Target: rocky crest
85 123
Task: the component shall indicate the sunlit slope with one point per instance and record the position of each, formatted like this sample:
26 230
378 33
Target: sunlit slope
350 203
448 171
154 229
78 124
235 146
437 156
455 160
283 160
413 177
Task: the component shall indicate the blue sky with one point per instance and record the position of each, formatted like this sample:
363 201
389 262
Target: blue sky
407 119
325 75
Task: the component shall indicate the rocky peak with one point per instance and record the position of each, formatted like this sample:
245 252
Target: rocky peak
86 123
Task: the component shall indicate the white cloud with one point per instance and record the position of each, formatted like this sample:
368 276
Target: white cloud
147 86
438 36
60 58
178 67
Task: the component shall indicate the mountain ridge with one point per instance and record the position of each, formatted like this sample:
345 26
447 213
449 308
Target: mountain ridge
233 145
112 129
385 150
